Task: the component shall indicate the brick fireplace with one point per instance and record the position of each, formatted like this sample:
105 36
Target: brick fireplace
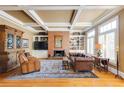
51 43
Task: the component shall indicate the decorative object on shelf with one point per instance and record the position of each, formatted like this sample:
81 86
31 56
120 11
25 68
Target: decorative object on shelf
43 38
98 50
25 43
58 41
18 42
10 41
36 38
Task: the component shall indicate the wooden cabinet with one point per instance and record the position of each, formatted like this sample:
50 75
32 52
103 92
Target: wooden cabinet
3 61
12 62
9 47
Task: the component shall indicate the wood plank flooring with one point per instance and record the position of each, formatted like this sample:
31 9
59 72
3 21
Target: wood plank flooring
105 79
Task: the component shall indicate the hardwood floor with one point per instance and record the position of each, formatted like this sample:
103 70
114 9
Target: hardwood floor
105 79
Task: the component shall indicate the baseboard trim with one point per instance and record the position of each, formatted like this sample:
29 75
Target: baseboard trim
114 71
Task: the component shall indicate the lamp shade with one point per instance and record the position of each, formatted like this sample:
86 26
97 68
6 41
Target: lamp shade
98 46
117 49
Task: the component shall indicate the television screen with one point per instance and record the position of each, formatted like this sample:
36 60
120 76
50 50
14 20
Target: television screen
40 45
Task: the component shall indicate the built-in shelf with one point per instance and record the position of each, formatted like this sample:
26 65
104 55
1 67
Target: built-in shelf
40 43
40 38
77 42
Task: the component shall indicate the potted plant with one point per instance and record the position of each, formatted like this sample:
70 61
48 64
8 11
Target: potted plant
98 50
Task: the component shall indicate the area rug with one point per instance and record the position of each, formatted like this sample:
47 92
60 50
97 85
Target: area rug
52 69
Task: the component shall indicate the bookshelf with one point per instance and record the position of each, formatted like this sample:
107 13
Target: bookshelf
40 38
43 38
77 42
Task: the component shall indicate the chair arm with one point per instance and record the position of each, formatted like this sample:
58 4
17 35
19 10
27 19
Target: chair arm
32 58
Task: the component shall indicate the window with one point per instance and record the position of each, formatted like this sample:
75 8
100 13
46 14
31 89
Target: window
108 39
90 42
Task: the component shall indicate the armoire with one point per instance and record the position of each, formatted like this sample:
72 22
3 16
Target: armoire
10 45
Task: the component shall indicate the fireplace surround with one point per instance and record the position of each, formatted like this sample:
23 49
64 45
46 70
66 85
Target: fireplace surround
59 53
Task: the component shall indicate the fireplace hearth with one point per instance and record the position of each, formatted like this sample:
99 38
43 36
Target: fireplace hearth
59 53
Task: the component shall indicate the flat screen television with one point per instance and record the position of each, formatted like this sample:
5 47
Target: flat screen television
41 45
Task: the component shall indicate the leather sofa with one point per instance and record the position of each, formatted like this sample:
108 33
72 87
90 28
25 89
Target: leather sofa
81 63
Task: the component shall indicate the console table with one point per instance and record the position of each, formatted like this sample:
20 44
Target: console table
101 63
104 62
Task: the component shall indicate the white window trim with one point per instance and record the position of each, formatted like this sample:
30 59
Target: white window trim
90 38
108 21
116 35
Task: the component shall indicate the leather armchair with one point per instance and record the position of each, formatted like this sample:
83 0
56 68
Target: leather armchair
28 64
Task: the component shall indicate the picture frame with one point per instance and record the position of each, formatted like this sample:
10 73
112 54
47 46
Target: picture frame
58 41
25 43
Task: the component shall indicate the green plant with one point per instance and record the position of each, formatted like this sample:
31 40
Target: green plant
99 53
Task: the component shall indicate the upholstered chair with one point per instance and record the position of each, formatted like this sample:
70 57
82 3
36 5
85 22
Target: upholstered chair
28 64
36 61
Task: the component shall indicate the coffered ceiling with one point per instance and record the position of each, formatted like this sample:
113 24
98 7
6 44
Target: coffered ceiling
21 15
57 18
90 15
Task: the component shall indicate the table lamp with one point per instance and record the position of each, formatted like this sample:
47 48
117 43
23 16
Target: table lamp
98 46
98 49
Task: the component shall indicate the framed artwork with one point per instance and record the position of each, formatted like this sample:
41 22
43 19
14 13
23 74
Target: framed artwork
25 43
58 41
18 42
10 41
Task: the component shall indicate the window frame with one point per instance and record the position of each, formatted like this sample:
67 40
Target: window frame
116 38
89 37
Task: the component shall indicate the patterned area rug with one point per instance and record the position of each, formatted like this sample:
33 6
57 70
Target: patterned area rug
52 69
